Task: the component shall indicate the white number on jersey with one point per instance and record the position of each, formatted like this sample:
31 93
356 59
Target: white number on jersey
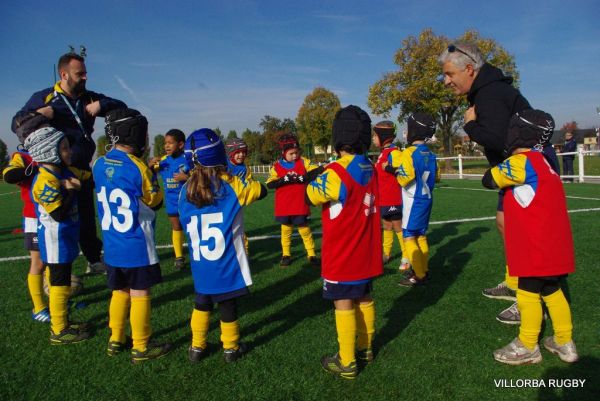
121 199
208 232
425 190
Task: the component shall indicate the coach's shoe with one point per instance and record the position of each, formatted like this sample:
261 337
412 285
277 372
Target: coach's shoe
153 351
365 355
515 353
566 352
232 354
404 265
501 291
42 316
333 364
285 261
96 268
196 353
179 263
510 315
314 261
411 280
70 335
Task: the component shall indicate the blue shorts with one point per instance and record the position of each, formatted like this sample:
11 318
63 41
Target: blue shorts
171 205
393 213
336 291
500 206
209 299
298 220
31 242
413 233
136 278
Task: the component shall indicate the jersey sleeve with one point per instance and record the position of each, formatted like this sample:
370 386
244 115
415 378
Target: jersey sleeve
510 172
46 192
246 192
394 158
81 175
326 187
309 165
151 194
273 176
406 170
16 161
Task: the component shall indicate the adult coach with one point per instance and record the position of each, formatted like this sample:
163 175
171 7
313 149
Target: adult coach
72 109
492 101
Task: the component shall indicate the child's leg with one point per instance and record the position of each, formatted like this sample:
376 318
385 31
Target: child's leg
60 281
35 282
346 326
512 282
365 322
424 248
199 324
307 238
177 236
397 227
415 256
388 238
118 311
529 302
230 328
286 239
560 313
140 318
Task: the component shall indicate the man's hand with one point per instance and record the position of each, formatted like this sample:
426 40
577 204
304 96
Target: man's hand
152 162
47 112
93 108
470 114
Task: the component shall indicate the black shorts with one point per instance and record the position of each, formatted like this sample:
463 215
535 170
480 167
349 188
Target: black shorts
31 242
500 206
392 213
292 220
209 299
336 291
136 278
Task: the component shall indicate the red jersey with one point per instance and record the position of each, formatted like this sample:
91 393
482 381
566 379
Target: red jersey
390 192
289 199
23 160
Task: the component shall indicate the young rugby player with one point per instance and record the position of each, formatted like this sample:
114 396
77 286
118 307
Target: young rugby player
210 208
237 150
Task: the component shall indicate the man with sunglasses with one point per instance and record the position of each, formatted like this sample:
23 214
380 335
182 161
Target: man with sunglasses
492 101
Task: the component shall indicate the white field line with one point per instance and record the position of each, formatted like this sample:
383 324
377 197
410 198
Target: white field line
264 237
495 192
9 193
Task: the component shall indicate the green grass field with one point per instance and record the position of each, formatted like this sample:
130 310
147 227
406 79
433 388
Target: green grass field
432 343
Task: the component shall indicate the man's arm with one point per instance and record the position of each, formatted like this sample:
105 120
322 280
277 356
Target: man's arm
35 102
100 104
489 127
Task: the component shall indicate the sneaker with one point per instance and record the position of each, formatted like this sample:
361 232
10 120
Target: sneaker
510 315
515 353
404 265
365 355
96 268
314 261
42 316
333 364
153 351
179 263
566 352
80 326
501 291
116 347
196 353
70 335
285 261
411 280
232 355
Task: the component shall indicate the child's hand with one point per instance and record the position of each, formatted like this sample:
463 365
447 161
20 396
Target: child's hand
153 161
180 176
384 165
71 183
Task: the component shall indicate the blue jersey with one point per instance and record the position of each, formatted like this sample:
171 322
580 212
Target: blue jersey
215 237
167 167
126 192
417 175
240 170
58 240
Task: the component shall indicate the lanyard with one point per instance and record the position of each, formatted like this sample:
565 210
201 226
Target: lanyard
75 115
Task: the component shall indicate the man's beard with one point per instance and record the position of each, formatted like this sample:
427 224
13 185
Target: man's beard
77 88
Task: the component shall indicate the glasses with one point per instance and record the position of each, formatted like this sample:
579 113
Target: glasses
453 48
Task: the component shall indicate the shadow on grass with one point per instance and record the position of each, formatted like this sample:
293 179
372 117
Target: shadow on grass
557 381
445 266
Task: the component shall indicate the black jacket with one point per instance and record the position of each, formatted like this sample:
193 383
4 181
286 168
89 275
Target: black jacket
495 101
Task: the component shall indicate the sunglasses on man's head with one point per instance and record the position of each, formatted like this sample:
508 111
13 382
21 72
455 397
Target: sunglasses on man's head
453 48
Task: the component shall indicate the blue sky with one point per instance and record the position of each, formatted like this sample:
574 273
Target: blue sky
192 64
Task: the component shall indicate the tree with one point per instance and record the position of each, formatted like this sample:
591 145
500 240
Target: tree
218 132
315 117
232 135
3 154
272 127
101 145
570 126
253 139
415 85
158 148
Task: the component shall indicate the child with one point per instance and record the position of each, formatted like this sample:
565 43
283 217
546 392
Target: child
237 150
54 193
288 177
128 195
347 189
210 208
173 170
538 240
417 175
390 194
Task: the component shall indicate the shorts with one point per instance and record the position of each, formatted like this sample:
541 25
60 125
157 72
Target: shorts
500 206
136 278
336 291
393 213
413 233
208 299
296 220
31 242
171 206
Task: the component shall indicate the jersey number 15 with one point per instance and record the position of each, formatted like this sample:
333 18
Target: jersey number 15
207 231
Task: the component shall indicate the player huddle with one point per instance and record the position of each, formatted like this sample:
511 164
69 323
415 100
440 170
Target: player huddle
206 186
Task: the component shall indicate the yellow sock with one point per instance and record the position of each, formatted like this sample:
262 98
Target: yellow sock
424 248
345 323
560 313
178 237
511 282
415 256
286 239
59 295
199 324
307 238
230 334
401 241
120 303
365 324
36 291
140 322
388 241
530 308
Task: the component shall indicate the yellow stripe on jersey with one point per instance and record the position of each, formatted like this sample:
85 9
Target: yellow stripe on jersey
46 191
16 161
327 186
151 193
394 158
309 165
82 175
510 172
406 170
246 192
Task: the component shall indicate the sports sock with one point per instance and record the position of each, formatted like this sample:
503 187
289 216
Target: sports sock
388 241
365 324
36 291
307 238
415 256
511 282
120 303
530 308
560 313
286 239
230 334
424 248
140 322
401 241
59 296
199 325
345 323
178 237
